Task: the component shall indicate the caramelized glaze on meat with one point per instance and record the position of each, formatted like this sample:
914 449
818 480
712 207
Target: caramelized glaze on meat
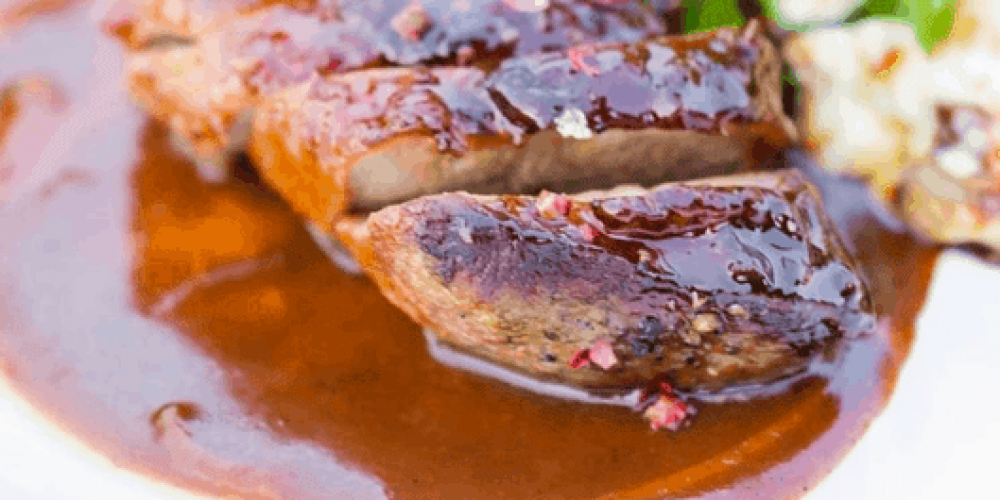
733 281
589 117
197 65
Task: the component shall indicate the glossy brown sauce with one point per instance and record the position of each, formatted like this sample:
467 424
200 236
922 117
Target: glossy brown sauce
195 333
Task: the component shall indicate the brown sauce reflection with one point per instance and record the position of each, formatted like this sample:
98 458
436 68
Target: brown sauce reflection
311 356
324 355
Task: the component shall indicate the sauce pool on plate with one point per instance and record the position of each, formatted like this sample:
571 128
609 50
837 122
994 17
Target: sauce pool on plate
195 333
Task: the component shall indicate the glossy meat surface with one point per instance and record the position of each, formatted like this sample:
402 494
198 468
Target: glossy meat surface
731 281
588 117
402 31
198 64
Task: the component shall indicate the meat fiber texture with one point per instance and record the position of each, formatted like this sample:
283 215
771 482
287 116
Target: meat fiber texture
728 282
352 109
588 117
203 66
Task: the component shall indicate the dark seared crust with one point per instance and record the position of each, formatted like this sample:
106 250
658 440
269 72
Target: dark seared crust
491 28
666 109
335 106
199 63
719 283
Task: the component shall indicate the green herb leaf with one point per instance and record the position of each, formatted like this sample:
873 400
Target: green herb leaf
704 15
932 20
880 8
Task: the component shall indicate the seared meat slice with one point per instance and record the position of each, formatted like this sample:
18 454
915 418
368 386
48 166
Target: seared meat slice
199 64
714 284
590 117
405 31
